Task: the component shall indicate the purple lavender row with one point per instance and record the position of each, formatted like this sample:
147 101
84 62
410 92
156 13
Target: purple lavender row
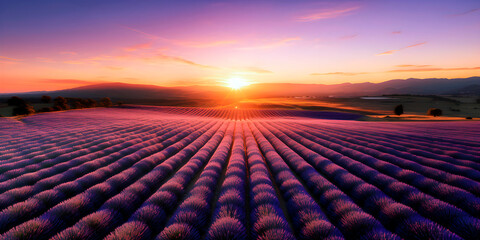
308 219
410 162
229 219
191 218
27 185
154 213
458 197
96 144
383 185
110 176
116 210
344 213
267 219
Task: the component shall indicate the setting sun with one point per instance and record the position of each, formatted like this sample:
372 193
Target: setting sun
237 83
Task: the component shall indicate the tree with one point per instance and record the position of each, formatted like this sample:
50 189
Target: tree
60 103
23 110
90 103
398 110
46 99
434 112
15 101
105 102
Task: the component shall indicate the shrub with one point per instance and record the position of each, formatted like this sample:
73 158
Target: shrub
60 103
23 110
15 101
469 118
105 102
45 99
434 112
398 110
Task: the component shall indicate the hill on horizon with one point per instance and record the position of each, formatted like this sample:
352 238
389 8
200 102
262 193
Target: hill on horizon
123 91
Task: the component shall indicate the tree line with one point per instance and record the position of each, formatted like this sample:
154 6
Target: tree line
22 107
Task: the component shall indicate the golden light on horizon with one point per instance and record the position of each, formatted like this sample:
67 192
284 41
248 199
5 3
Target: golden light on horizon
236 83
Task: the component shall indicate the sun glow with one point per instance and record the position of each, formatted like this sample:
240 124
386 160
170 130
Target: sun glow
236 83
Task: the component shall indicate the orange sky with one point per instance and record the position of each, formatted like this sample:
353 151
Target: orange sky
59 45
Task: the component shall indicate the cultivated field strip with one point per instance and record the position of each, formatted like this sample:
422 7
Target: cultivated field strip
227 173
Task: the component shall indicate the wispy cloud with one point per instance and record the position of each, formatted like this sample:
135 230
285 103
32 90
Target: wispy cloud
327 13
422 69
252 70
116 68
339 73
45 60
466 12
390 52
68 53
192 44
137 47
411 65
67 81
176 59
397 32
274 44
146 35
347 37
9 60
401 69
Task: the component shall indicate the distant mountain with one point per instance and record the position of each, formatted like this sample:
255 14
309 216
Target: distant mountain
430 86
123 91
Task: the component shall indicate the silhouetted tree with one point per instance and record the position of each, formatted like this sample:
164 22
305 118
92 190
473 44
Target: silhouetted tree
434 112
105 102
60 103
90 103
46 99
24 109
15 101
398 110
77 105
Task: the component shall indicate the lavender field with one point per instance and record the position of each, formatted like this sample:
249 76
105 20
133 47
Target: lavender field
192 173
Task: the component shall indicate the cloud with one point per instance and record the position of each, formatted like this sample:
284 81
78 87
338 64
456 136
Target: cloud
397 32
273 44
404 68
390 52
114 68
45 60
422 69
347 37
147 35
68 53
205 44
410 65
74 62
327 13
168 58
466 12
339 73
67 81
253 70
137 47
9 60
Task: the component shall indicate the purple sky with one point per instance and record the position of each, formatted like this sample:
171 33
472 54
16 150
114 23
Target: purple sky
46 45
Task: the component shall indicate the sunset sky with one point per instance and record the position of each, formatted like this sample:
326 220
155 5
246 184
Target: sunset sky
57 44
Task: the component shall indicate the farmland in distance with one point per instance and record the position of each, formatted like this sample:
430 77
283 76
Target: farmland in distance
228 173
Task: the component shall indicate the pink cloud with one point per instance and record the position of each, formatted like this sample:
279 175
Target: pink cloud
68 53
273 44
390 52
137 47
327 13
